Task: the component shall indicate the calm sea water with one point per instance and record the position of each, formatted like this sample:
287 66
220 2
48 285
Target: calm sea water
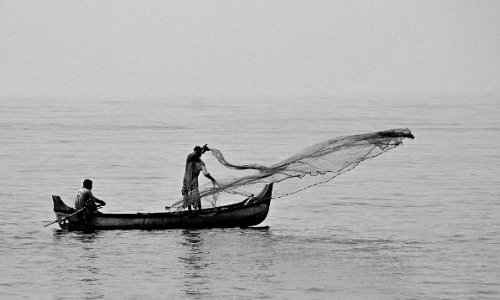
421 221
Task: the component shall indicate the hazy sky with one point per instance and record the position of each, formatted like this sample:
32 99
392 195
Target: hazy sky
140 49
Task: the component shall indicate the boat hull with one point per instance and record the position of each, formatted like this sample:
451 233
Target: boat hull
250 212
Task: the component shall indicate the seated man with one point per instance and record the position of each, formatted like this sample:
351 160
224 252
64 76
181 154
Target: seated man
85 199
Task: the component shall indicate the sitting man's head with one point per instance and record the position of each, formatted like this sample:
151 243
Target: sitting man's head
87 183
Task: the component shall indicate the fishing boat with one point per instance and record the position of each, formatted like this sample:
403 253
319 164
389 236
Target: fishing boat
249 212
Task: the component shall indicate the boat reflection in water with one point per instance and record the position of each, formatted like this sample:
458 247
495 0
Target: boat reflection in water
194 263
213 264
80 262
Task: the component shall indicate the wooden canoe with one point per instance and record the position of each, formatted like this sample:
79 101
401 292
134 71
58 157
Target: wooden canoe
249 212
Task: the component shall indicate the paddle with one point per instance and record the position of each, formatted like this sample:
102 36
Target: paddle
65 218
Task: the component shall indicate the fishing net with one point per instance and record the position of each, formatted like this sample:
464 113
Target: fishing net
314 165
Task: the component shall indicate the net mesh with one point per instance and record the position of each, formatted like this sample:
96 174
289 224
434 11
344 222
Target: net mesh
314 165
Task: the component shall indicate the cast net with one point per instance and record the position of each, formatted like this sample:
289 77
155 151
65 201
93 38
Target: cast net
314 165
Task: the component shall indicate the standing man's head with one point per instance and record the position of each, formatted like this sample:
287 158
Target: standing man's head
200 150
87 183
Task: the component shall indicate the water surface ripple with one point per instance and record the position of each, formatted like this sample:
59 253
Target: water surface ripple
419 222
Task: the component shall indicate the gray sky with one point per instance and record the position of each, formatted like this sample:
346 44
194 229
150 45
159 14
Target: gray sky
141 49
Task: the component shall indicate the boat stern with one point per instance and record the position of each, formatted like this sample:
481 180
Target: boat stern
61 210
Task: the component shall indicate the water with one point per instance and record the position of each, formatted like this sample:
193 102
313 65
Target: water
421 221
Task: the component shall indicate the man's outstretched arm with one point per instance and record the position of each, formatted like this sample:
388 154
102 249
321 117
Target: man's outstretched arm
97 200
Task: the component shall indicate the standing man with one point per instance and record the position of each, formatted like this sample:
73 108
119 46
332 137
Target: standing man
194 165
85 199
